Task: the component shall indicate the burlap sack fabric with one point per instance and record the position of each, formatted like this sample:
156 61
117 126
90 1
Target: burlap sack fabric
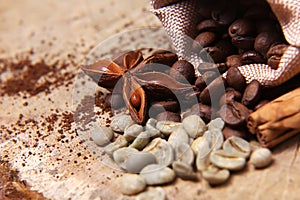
180 17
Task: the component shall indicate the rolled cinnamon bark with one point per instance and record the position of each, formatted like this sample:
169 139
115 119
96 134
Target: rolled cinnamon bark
278 120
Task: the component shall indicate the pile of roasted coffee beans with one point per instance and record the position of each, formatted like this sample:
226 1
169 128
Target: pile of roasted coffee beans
240 32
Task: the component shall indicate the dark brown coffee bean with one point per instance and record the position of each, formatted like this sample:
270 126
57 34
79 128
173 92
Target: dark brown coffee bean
244 43
183 71
200 83
241 27
252 56
209 76
212 54
209 25
162 106
261 104
252 94
235 114
265 40
242 133
274 55
235 79
168 116
230 96
224 15
204 111
233 61
213 92
204 39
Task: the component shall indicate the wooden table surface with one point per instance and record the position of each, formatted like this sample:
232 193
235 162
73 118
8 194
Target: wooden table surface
42 46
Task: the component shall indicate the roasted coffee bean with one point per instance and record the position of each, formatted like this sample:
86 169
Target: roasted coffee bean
214 54
235 79
241 27
200 83
168 116
274 55
233 61
240 132
204 111
230 96
209 76
234 114
183 71
213 91
243 42
204 39
265 40
224 15
261 104
162 106
208 25
252 93
251 56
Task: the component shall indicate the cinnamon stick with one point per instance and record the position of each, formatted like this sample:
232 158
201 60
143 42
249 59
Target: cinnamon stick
278 120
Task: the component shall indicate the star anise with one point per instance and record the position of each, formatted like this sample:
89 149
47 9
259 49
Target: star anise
141 80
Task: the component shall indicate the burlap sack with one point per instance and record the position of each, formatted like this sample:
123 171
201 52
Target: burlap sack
179 18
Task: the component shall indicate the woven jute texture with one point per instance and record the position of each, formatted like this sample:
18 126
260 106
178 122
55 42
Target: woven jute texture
180 18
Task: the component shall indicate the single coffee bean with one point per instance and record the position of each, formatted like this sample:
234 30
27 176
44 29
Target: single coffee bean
161 106
252 94
237 146
151 128
198 127
261 157
274 55
230 96
184 153
156 193
167 127
214 54
261 104
234 114
243 42
235 79
121 155
208 25
120 122
241 27
265 40
168 116
240 132
200 83
131 132
204 111
141 140
224 15
178 136
132 184
138 160
215 176
225 160
184 171
233 61
213 91
204 39
162 150
252 56
102 135
183 71
156 174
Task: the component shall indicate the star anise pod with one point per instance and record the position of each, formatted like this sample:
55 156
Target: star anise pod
142 81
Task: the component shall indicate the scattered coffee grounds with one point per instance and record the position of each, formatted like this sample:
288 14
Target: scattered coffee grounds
12 187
